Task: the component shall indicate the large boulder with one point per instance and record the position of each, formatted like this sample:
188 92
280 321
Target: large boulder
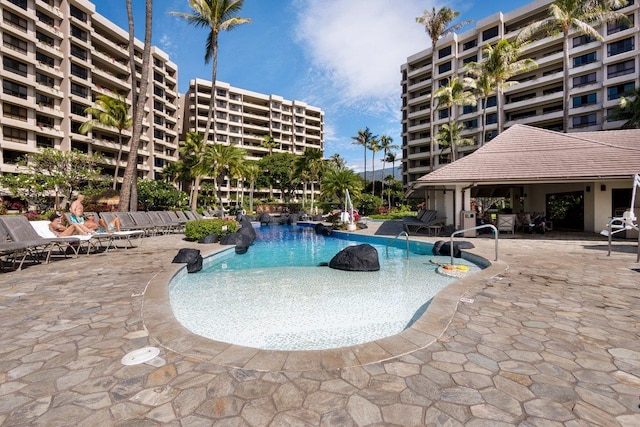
191 257
246 229
356 258
323 229
442 247
264 218
211 238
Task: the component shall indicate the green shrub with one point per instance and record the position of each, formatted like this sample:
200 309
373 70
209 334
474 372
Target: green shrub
194 230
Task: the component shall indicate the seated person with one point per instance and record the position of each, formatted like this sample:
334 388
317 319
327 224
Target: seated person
59 229
77 212
101 225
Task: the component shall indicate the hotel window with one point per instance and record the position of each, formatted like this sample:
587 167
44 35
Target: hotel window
79 90
43 17
584 121
44 141
473 58
445 51
443 68
443 114
20 3
14 135
620 46
43 38
158 77
44 59
157 105
221 92
44 100
78 52
582 100
470 124
492 118
14 66
14 43
492 101
14 112
490 33
621 68
584 79
157 63
77 13
615 92
44 120
467 109
158 134
79 71
14 20
14 89
585 59
616 26
78 109
79 34
583 39
470 44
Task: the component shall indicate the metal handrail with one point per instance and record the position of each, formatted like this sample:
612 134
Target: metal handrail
624 225
395 238
491 226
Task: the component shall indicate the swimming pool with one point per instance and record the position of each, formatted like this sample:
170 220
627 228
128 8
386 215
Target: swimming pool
277 297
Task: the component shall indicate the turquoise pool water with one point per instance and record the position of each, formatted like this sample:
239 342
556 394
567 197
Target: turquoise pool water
277 297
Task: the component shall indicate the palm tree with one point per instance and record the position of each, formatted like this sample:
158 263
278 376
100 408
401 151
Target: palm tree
217 16
482 86
386 144
251 172
502 63
111 112
336 181
337 161
315 165
436 25
628 109
223 161
571 18
453 94
269 143
374 146
194 151
364 138
450 136
129 189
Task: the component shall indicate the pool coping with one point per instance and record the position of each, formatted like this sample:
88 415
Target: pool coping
165 330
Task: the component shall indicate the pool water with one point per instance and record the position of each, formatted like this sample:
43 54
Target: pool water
278 297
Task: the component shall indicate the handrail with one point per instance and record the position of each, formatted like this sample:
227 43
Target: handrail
491 226
395 238
624 225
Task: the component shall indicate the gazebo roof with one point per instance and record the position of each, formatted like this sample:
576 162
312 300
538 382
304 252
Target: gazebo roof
525 154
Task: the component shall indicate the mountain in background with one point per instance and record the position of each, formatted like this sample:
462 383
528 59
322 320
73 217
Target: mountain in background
397 173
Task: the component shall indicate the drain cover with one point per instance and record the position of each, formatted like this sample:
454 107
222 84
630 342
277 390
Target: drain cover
140 355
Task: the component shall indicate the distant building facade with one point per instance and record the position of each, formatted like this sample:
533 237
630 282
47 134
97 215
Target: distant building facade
57 57
600 73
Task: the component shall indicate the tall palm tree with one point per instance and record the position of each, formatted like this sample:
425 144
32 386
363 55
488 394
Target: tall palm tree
269 143
217 16
374 146
501 64
571 18
628 109
194 152
450 136
436 25
315 165
129 189
110 112
251 172
364 138
482 85
386 144
336 181
453 94
223 161
337 161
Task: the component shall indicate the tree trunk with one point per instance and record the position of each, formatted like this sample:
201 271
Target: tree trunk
115 175
484 120
432 140
565 84
129 191
194 191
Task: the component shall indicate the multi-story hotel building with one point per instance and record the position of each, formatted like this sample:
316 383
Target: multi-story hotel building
601 72
243 118
57 57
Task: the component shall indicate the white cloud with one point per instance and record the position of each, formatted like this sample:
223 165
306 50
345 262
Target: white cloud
356 48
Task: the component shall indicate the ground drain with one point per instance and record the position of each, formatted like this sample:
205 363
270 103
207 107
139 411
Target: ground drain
141 355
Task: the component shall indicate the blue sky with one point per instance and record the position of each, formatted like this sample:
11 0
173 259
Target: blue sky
343 56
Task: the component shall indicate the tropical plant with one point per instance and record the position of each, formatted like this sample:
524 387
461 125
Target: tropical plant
251 171
453 94
364 139
223 161
628 109
159 196
195 230
482 85
449 135
386 144
111 112
312 163
194 152
217 16
336 181
571 18
337 161
269 143
278 173
436 25
129 189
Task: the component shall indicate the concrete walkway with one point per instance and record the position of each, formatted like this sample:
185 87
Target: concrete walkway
552 339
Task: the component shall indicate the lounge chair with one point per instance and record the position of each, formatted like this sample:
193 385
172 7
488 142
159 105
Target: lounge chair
16 252
20 230
426 220
506 223
142 220
181 217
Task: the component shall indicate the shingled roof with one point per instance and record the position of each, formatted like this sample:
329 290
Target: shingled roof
525 154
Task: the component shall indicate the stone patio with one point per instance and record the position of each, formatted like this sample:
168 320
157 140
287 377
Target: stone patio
549 335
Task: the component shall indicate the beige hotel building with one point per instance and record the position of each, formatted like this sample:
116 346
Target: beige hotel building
600 73
59 55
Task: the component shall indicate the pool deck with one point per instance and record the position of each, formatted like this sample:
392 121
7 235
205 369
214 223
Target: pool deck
549 335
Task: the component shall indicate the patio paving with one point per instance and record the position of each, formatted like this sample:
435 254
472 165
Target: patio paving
550 335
